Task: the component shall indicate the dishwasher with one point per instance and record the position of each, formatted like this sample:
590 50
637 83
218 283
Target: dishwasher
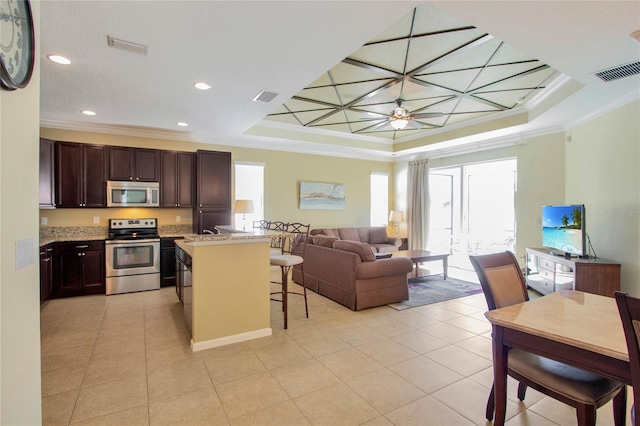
183 284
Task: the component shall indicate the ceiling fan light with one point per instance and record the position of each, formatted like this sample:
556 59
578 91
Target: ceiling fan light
399 123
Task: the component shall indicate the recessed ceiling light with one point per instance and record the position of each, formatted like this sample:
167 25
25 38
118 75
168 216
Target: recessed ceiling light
202 85
182 124
88 112
59 59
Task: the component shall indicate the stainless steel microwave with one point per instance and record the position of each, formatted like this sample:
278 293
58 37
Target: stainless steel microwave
133 194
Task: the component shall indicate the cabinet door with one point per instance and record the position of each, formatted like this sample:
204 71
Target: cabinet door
121 163
168 179
208 219
44 276
185 179
214 179
147 167
93 272
94 176
69 274
167 266
68 172
47 178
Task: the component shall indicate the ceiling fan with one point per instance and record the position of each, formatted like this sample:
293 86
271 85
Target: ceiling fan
400 117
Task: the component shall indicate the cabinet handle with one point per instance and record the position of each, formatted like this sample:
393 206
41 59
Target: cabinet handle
49 249
42 253
83 246
137 178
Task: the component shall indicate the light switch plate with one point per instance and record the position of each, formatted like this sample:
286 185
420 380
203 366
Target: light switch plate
178 219
96 220
44 220
25 250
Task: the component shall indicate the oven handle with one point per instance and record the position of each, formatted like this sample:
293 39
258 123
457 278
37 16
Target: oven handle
149 240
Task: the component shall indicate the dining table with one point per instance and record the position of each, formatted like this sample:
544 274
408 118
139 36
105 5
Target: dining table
577 328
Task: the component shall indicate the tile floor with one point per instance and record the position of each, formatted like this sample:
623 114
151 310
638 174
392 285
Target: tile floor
125 360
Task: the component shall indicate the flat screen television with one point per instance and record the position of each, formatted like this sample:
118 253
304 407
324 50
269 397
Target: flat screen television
563 230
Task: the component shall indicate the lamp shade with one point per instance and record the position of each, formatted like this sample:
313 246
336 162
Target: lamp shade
399 123
243 206
396 216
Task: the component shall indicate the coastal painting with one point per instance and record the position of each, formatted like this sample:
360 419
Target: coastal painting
321 196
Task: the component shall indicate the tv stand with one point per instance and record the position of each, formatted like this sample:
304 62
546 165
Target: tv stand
547 273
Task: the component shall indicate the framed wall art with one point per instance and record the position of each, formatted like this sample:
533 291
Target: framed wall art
321 196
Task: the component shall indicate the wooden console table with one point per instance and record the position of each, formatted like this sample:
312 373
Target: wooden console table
547 273
419 256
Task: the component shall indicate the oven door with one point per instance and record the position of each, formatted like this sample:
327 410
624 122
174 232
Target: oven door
132 257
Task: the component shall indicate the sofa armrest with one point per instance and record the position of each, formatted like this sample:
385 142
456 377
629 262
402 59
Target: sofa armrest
384 267
396 241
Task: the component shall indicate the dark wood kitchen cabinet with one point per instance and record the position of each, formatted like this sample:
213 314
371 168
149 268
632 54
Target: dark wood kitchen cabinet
168 261
213 190
134 164
79 268
80 175
176 179
47 177
46 272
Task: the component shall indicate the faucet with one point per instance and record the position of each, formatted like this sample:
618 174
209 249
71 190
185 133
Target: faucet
209 231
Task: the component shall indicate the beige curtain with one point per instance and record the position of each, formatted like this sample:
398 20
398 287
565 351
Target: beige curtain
418 204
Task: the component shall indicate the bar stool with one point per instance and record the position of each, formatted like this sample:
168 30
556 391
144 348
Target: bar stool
294 243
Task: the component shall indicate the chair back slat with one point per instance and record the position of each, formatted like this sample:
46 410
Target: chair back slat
629 310
501 279
298 236
261 224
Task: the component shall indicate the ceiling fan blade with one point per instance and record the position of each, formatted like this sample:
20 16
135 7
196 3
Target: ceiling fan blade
415 124
427 115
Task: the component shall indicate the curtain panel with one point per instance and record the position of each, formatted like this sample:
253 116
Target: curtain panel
418 204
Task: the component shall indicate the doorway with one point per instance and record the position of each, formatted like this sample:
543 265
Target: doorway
473 209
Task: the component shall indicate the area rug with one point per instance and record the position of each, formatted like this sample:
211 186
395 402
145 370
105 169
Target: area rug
433 289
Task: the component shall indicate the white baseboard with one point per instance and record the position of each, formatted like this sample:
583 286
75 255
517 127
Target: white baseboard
227 340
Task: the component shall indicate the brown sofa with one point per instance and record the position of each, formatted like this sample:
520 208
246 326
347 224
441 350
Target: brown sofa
349 273
376 237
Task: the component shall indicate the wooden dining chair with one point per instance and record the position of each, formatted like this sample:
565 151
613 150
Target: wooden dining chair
629 309
503 285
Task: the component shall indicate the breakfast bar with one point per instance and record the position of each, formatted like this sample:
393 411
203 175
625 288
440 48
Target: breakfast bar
227 298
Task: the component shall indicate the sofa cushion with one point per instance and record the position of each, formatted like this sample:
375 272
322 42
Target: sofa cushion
330 232
323 240
362 249
378 236
350 234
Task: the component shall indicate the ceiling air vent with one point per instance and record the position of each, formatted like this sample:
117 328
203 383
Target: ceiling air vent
129 46
265 96
618 72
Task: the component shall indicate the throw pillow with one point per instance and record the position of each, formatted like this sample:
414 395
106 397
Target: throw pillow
364 250
323 240
331 232
350 234
378 236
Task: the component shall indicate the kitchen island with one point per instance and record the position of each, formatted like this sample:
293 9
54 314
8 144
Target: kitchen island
228 297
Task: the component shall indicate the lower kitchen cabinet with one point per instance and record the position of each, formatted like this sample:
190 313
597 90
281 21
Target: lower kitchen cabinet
168 261
46 272
79 268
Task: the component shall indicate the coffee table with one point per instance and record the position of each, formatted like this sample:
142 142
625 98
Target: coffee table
419 256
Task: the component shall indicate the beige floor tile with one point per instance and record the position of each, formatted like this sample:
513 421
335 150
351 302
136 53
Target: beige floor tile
378 421
427 411
123 318
279 354
349 363
118 349
447 332
468 399
71 338
470 324
114 368
164 356
415 318
384 390
386 351
65 357
226 366
110 397
62 379
459 360
136 416
57 409
530 418
355 335
426 374
337 405
478 345
285 413
121 334
251 393
178 379
419 341
437 311
389 327
555 411
303 377
322 344
201 407
461 307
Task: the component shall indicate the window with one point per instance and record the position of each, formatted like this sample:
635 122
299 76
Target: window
249 183
379 199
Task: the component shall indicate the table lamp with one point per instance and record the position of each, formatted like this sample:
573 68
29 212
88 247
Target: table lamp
396 216
244 207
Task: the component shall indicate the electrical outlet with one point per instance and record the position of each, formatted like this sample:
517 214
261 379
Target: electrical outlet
178 219
44 220
96 220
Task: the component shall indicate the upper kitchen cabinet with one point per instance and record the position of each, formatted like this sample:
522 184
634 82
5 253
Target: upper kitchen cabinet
176 179
134 164
213 185
47 178
80 175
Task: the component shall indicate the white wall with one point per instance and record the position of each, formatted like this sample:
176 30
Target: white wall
603 172
19 288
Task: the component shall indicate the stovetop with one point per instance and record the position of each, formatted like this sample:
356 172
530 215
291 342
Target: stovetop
133 229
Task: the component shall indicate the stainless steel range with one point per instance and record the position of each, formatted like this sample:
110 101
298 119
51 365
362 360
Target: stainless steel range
132 255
